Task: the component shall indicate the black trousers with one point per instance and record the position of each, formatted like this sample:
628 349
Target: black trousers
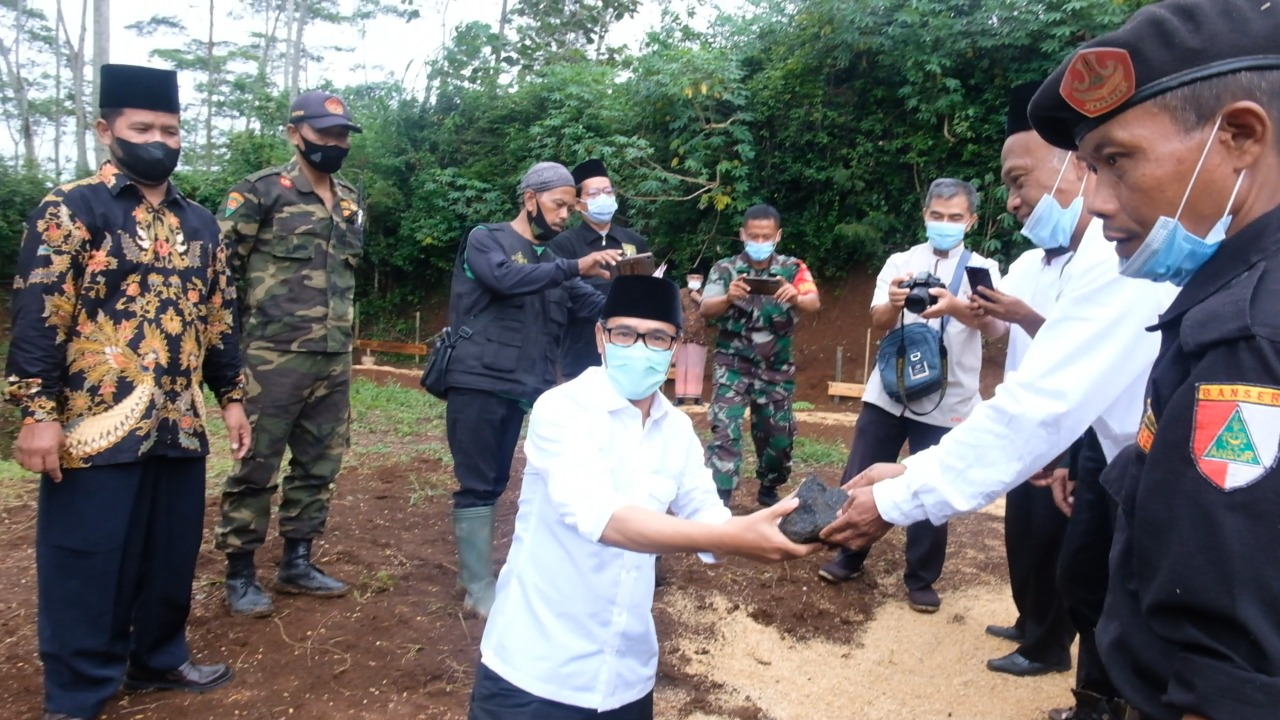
877 438
116 554
483 430
1034 529
493 698
1084 563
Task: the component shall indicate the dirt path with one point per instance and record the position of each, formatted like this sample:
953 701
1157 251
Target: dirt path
905 665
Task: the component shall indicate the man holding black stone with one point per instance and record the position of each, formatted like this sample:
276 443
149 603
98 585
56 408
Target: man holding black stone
571 634
597 203
123 306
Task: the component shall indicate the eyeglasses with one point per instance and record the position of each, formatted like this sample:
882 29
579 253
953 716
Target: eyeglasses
626 337
593 194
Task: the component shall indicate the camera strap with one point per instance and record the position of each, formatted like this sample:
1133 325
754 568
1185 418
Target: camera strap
954 288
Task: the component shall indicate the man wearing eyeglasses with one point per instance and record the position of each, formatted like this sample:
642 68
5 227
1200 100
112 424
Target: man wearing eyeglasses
755 298
597 203
571 633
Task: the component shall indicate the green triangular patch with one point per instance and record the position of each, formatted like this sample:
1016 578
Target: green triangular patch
1234 443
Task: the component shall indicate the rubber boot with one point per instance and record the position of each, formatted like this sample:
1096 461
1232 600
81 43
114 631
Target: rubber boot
245 597
473 530
297 576
726 494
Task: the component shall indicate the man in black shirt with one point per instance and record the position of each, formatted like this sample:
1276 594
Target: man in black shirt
1176 114
597 203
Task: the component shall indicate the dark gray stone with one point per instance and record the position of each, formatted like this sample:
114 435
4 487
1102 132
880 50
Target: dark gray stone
819 506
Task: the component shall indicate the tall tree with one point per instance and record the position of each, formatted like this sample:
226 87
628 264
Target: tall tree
13 76
76 63
101 56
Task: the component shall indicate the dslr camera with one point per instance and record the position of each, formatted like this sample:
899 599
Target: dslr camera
918 287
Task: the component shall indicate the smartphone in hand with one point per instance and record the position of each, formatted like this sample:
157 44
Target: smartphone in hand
979 277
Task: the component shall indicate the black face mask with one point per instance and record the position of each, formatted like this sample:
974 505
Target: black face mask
145 163
323 158
542 229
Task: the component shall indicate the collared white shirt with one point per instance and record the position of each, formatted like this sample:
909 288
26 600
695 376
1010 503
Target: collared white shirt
573 620
1088 365
964 344
1036 279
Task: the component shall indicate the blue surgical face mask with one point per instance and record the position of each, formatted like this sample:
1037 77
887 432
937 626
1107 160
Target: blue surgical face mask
635 371
759 252
944 236
1050 226
601 208
1170 252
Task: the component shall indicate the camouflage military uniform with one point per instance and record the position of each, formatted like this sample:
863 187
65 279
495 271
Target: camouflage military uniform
753 367
295 264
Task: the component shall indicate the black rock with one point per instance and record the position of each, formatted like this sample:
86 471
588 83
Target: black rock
819 505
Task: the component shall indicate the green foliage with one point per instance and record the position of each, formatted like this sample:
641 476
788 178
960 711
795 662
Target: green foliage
809 452
20 192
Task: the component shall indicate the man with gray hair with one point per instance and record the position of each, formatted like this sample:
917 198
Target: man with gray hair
509 303
925 284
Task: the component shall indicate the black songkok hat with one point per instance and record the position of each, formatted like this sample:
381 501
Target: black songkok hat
1019 99
138 87
1163 47
588 169
645 297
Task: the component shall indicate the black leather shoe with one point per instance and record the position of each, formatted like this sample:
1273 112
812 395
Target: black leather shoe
245 597
297 576
726 494
189 677
60 716
924 600
1015 664
1012 634
1090 706
767 496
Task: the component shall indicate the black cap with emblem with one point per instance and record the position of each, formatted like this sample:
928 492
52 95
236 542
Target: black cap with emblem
139 88
1163 47
320 110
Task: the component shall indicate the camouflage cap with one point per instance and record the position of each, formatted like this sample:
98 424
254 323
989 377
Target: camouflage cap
320 110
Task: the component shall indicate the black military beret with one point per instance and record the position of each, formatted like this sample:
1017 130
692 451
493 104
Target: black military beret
588 169
139 88
1019 99
645 297
1163 47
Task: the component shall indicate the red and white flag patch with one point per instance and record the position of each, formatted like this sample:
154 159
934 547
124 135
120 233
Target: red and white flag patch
1236 437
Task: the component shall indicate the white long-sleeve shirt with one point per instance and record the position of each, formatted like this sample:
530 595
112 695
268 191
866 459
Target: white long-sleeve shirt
1087 366
1037 280
572 621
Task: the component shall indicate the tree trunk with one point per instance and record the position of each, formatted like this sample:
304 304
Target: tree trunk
208 96
101 56
75 60
19 87
290 18
58 107
300 24
502 38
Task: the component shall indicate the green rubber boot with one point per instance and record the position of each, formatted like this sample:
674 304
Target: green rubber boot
473 529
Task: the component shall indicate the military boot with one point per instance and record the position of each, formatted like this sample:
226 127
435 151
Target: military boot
297 576
245 596
473 529
726 494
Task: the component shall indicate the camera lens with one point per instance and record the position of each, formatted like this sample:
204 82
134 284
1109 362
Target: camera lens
918 300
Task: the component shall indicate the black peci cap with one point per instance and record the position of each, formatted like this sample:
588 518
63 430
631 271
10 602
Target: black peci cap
1019 100
1163 47
588 169
645 297
139 88
320 110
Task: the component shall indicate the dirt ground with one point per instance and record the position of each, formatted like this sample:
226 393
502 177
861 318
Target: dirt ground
740 640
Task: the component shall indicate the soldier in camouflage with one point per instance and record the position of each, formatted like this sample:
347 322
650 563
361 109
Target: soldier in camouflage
295 234
753 363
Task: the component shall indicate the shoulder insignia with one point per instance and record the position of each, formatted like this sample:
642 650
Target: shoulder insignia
1147 430
265 172
1235 437
234 201
285 181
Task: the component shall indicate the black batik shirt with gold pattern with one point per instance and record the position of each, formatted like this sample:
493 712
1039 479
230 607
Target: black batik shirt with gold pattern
120 310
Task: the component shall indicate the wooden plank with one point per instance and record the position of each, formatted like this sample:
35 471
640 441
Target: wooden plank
391 347
843 389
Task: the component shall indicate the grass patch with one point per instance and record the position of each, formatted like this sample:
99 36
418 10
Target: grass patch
808 451
17 486
424 487
802 405
394 410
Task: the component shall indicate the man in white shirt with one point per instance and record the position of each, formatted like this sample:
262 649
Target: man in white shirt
950 211
1046 194
1087 368
571 632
